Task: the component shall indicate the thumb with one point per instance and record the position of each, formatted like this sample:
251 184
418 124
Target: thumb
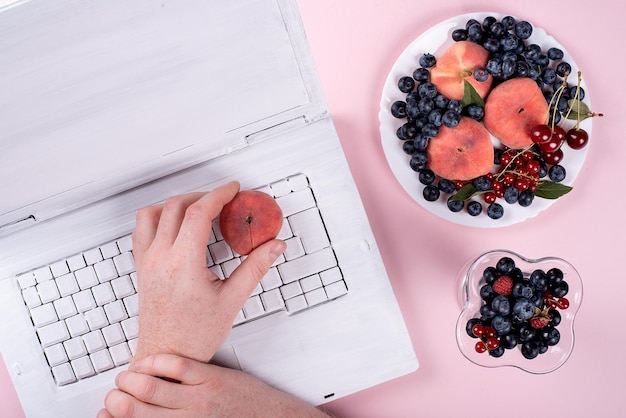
241 283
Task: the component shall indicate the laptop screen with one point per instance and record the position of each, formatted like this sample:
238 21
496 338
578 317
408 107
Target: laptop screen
103 95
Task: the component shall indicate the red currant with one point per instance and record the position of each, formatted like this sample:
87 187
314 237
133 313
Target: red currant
509 179
478 330
490 332
505 159
522 184
492 343
553 157
540 134
533 167
480 347
562 303
577 138
497 186
489 197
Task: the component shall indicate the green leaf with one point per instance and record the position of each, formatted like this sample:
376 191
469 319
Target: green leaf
465 192
471 96
551 190
580 110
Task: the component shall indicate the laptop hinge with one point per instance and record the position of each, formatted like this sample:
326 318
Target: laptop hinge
18 224
288 125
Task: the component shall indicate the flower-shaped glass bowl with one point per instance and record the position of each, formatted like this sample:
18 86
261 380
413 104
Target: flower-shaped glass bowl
470 281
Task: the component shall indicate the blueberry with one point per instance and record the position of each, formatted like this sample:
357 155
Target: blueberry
475 112
522 290
532 52
526 198
581 92
470 326
491 44
555 276
408 147
516 274
508 22
497 352
526 333
560 290
508 68
426 177
427 60
431 193
487 293
555 53
425 105
523 29
420 142
543 169
455 205
524 309
495 211
441 101
494 67
406 84
543 60
490 274
486 313
412 110
459 35
555 317
501 324
530 350
446 186
435 117
508 341
563 68
537 300
412 97
430 130
421 74
475 32
474 208
450 119
550 335
501 305
418 161
505 265
548 76
521 68
398 109
509 42
455 106
557 173
409 130
482 183
497 29
533 72
511 194
427 89
497 154
539 280
488 21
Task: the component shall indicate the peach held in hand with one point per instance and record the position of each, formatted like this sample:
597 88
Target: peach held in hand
512 109
456 65
461 153
252 218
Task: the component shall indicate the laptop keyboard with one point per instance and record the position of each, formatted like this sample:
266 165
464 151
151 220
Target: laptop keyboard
84 308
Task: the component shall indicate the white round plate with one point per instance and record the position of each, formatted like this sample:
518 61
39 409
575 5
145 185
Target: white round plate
434 41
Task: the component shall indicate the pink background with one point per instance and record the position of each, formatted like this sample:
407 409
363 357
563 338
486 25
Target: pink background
354 43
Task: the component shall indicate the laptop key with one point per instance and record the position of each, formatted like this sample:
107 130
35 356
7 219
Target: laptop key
83 368
105 270
53 334
101 361
43 315
124 263
309 227
63 374
307 265
86 277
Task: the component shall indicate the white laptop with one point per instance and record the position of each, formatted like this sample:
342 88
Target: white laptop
111 105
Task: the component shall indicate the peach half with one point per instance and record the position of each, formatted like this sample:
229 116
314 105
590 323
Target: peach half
456 65
461 153
512 109
251 219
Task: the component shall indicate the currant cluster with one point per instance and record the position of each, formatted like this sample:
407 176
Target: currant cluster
518 310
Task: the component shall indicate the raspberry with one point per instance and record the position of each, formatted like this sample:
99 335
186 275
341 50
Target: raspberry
503 285
540 319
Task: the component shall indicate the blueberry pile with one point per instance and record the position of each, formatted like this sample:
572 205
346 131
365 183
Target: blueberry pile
517 310
424 110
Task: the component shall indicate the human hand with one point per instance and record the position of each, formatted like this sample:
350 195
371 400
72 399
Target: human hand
204 391
184 308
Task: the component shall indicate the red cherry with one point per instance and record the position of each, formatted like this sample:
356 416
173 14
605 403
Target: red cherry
577 138
540 134
559 132
552 145
553 157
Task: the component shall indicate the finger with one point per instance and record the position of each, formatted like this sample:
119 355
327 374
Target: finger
150 389
103 413
170 366
122 405
172 215
238 287
195 230
147 220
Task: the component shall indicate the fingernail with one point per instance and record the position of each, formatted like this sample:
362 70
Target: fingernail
277 249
